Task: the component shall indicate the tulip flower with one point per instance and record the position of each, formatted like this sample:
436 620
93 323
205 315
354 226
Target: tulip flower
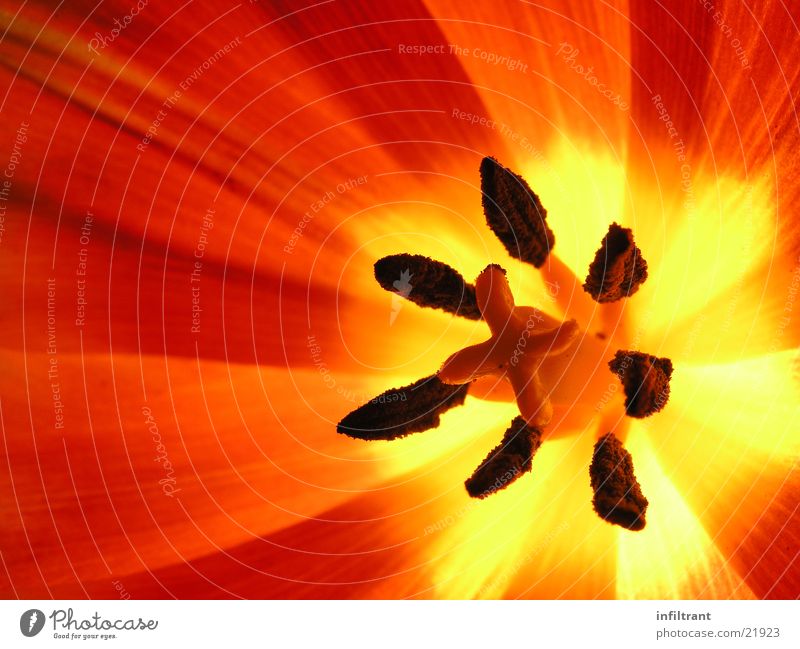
193 200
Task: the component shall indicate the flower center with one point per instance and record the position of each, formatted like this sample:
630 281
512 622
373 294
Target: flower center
556 372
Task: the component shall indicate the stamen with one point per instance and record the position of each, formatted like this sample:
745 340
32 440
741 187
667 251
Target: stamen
401 411
618 268
515 353
645 379
428 283
515 213
618 497
498 267
507 462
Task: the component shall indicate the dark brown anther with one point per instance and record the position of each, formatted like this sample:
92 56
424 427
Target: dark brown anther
515 214
402 411
428 283
618 498
497 267
618 269
507 462
645 379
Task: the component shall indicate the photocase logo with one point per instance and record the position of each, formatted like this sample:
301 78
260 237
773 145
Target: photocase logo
31 622
402 290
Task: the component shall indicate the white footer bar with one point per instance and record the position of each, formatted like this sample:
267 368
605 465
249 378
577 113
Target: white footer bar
406 624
